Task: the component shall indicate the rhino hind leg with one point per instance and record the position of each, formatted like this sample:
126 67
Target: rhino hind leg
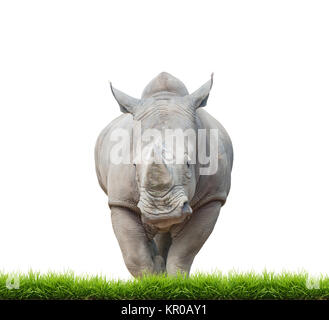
139 252
163 242
158 259
188 238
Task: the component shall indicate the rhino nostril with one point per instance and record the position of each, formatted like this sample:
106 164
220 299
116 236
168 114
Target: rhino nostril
186 208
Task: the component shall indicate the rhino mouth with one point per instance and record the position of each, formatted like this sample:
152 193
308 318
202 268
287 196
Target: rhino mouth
166 210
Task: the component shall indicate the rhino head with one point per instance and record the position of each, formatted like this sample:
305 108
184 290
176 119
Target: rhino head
166 180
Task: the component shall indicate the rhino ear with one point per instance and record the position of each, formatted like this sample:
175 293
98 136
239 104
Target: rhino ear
199 97
127 103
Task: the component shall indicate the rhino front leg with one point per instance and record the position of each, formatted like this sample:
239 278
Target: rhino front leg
138 250
189 237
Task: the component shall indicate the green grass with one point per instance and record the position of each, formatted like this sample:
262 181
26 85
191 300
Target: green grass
199 286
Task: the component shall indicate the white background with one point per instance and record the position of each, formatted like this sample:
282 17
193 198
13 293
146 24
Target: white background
271 66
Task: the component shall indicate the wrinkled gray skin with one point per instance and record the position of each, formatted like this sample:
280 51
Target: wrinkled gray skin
162 214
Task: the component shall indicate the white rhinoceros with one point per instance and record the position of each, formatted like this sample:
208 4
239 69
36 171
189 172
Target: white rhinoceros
163 212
